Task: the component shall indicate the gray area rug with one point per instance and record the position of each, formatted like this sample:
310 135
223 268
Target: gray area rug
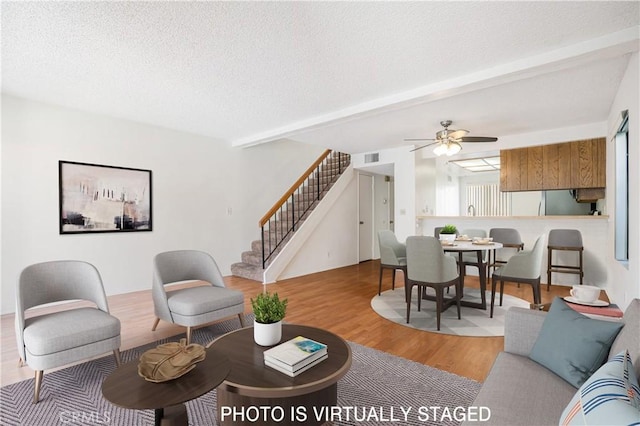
474 322
379 388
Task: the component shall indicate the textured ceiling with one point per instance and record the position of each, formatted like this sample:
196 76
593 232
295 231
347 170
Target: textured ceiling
354 76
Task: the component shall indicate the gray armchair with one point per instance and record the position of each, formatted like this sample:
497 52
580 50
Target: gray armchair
393 255
192 306
63 337
522 267
428 266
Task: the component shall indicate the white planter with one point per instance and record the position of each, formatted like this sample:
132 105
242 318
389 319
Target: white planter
267 334
448 237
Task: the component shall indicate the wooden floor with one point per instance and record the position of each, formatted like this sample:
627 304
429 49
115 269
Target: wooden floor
337 300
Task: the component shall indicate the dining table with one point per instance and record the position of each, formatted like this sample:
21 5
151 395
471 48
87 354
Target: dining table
461 246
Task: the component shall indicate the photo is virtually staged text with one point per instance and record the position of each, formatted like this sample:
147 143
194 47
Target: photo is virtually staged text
392 414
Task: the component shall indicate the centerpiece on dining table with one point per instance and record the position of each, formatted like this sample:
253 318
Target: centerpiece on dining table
448 234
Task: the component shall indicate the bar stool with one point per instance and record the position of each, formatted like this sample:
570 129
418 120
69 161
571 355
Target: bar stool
566 240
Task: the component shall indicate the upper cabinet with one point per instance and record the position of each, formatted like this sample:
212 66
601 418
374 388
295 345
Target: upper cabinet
556 161
569 165
588 163
535 168
513 169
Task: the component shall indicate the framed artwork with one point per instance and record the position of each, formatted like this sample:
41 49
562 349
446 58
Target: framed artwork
98 198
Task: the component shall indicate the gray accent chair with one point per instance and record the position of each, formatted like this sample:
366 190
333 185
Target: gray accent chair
62 337
522 267
192 306
564 240
428 266
393 255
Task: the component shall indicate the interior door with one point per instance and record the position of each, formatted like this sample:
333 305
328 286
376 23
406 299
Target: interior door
365 212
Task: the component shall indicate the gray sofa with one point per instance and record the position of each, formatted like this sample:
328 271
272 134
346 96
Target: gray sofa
520 391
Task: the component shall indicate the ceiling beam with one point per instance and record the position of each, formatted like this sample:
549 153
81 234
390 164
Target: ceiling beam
608 46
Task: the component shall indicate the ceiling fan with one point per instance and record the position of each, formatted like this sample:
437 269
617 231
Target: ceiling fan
448 140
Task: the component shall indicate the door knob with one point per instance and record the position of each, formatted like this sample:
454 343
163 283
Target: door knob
361 223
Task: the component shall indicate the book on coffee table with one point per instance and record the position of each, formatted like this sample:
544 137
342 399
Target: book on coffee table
290 371
295 353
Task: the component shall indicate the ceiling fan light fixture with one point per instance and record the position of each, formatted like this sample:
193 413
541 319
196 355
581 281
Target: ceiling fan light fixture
440 149
453 148
448 141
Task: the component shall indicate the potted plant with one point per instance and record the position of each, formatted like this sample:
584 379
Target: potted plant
448 232
269 310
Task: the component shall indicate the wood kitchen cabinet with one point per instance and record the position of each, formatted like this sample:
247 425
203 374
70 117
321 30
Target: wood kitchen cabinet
535 169
513 169
588 163
569 165
556 165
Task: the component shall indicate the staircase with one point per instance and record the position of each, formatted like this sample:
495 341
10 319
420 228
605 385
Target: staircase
289 213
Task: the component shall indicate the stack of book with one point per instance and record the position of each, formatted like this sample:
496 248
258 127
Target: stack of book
295 356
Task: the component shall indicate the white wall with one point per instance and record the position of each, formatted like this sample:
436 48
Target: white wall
625 278
195 180
425 186
334 242
403 161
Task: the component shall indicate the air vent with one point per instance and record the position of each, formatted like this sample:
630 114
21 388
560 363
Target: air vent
372 158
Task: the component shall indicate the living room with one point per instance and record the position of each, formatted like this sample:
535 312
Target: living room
208 193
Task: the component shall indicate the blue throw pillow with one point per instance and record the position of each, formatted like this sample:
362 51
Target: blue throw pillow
572 345
610 397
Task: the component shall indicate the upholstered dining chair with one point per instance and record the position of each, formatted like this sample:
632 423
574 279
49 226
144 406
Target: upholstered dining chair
428 266
522 267
511 243
393 255
192 306
64 336
471 259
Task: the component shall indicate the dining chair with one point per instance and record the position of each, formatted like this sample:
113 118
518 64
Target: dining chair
511 244
192 306
522 267
393 255
471 259
428 266
64 336
564 240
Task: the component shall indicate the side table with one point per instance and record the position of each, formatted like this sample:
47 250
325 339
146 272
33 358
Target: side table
125 388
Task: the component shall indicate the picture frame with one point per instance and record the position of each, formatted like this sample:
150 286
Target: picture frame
96 198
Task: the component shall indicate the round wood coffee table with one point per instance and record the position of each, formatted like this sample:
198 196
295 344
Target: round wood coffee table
253 393
125 388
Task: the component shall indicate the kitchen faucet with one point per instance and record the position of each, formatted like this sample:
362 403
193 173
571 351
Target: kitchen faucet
471 209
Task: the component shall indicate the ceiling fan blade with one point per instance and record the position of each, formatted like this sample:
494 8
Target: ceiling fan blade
419 139
423 146
477 139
